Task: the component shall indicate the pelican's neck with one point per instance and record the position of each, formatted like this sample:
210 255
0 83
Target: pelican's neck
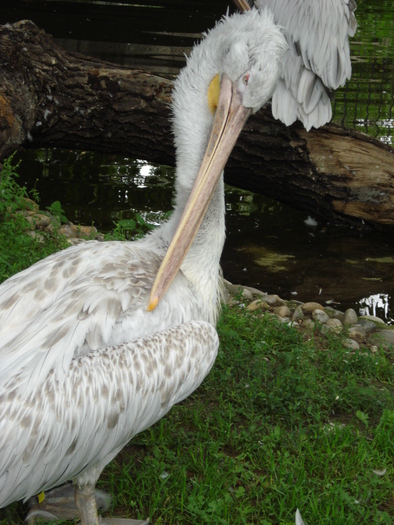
201 266
192 123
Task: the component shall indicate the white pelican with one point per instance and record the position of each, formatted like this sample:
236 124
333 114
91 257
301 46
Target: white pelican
88 357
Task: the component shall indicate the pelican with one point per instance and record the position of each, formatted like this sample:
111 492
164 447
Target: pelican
99 341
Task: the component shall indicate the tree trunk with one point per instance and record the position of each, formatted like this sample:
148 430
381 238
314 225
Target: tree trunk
49 98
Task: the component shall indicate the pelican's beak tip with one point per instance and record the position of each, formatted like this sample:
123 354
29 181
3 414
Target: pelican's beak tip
152 304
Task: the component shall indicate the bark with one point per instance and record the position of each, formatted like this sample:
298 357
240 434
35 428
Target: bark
49 97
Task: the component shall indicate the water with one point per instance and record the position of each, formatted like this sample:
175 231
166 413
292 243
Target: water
269 245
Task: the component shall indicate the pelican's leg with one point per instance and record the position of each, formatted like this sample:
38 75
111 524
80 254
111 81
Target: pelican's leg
86 504
59 504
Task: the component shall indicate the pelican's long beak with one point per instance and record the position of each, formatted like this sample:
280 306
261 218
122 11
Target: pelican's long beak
230 118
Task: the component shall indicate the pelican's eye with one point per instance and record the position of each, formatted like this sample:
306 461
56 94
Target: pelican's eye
245 78
213 93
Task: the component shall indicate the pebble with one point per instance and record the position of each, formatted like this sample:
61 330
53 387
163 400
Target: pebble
334 325
39 220
366 324
308 324
298 314
350 317
255 291
387 335
373 319
351 344
282 311
320 316
357 331
247 295
274 300
258 304
333 313
308 308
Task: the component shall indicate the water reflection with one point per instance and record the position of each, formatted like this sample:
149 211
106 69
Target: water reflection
269 245
377 305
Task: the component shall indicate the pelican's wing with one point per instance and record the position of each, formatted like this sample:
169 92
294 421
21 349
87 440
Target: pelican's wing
68 304
318 58
71 427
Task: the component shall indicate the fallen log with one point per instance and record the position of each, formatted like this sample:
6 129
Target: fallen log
53 98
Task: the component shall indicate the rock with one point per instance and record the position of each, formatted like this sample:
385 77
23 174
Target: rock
308 308
367 325
69 230
334 325
237 289
282 311
350 318
258 304
38 236
274 300
387 336
357 331
351 344
246 295
255 291
298 314
308 324
372 318
86 231
30 204
333 312
320 316
39 220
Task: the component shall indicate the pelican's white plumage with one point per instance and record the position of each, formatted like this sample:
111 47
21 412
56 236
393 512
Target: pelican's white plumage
84 365
317 60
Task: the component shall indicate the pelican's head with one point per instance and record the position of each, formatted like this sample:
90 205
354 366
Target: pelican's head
229 75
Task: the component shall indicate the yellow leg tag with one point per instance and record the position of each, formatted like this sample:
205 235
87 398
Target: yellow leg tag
41 497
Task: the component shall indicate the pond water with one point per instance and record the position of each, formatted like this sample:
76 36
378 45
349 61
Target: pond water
269 245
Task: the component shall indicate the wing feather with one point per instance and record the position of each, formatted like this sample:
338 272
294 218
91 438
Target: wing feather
68 304
318 37
71 426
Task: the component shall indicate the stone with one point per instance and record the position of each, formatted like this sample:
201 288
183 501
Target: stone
255 291
368 326
320 316
372 318
39 220
86 231
247 295
350 318
308 324
351 344
274 300
238 290
308 308
282 311
334 325
387 336
298 314
69 230
333 312
258 304
357 331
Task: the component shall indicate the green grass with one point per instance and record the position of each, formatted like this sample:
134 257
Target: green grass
284 420
18 248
